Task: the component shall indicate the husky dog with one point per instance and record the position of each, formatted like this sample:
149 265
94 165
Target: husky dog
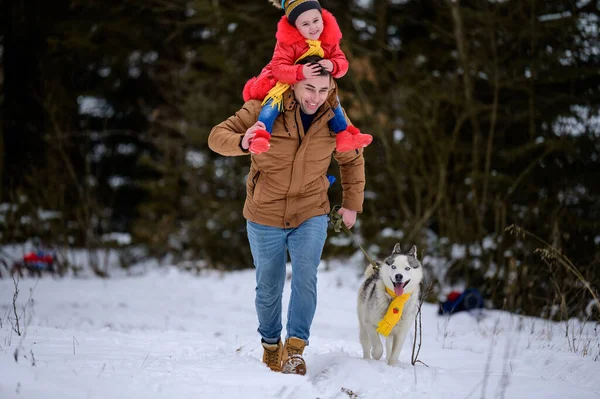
400 274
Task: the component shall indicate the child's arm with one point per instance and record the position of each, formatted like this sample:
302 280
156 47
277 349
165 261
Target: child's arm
339 60
282 65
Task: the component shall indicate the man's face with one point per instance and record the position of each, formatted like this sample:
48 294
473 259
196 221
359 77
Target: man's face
311 93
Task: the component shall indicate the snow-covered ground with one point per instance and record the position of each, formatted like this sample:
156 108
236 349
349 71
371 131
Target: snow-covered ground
171 334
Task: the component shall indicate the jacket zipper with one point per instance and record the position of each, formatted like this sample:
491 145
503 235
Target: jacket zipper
298 128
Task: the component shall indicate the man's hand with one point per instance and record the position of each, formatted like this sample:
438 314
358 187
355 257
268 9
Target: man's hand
348 216
311 70
327 65
250 133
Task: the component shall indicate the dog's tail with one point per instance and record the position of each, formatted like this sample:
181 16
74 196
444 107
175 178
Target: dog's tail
370 270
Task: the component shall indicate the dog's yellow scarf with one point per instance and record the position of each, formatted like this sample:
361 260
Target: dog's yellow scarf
276 93
393 314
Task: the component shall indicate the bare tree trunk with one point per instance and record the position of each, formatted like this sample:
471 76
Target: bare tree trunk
1 164
461 44
381 9
3 25
533 72
493 119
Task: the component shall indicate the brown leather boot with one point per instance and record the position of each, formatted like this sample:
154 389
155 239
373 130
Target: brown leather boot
292 361
272 355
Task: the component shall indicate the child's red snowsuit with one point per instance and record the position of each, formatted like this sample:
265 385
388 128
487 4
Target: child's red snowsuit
289 47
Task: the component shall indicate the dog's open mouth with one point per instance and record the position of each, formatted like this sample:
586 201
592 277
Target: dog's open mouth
399 286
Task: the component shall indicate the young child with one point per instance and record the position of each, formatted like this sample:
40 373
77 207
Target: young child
305 29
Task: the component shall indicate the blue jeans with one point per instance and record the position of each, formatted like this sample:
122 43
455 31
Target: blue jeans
338 122
268 114
269 246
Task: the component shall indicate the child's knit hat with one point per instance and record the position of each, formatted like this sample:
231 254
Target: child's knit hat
293 8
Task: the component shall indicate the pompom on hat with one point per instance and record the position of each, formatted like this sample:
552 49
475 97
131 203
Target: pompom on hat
293 8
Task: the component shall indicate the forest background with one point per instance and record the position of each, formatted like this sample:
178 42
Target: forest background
485 117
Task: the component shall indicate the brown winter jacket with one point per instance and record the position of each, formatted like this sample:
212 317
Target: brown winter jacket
288 184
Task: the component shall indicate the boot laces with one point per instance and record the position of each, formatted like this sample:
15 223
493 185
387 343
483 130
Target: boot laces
294 351
272 355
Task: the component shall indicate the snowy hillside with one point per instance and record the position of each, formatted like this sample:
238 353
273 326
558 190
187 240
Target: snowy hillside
170 334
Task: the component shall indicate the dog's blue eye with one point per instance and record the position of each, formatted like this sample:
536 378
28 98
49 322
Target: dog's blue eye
407 268
393 267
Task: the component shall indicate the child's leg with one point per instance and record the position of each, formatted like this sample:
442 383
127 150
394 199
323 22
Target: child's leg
338 122
267 115
347 137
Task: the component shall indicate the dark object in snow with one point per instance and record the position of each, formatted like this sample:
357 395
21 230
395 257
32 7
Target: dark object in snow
456 301
35 263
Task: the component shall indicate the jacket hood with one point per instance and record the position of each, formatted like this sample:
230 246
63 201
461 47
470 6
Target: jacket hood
288 34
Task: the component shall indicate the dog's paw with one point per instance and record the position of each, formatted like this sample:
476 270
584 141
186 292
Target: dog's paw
377 353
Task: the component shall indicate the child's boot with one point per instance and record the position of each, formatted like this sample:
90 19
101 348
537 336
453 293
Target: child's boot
344 141
351 139
260 142
359 139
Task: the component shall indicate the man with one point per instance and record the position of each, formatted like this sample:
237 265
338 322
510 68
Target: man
287 206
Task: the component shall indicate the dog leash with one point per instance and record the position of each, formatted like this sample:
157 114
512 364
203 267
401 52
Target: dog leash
338 225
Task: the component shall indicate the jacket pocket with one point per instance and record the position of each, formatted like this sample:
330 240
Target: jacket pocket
325 182
257 183
253 182
324 196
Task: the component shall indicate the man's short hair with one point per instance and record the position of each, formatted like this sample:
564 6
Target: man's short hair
314 59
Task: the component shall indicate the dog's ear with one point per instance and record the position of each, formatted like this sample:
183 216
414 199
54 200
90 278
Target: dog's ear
413 251
397 249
